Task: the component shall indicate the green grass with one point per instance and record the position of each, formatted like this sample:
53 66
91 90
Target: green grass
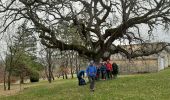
154 86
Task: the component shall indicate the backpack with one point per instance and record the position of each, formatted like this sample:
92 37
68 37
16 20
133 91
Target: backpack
82 81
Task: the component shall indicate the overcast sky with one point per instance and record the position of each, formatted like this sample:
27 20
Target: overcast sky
159 36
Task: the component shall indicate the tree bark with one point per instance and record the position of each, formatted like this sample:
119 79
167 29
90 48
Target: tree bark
63 74
21 78
76 64
46 72
5 78
52 75
49 72
9 79
66 75
72 74
71 64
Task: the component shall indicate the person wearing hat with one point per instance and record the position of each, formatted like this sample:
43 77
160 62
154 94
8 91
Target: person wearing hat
91 73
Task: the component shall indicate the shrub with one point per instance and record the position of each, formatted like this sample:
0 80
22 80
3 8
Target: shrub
34 77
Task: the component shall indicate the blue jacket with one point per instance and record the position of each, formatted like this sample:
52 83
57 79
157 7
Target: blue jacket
91 71
81 73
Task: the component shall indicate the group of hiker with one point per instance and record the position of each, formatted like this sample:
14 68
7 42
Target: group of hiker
102 71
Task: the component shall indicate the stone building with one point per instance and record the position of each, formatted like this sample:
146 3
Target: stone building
145 64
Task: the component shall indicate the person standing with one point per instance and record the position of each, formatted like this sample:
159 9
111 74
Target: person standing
115 70
98 72
103 70
109 69
91 72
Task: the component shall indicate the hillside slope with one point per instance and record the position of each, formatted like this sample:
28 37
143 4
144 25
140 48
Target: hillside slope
154 86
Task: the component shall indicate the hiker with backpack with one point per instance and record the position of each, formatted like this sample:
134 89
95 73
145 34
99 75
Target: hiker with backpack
80 77
91 72
115 69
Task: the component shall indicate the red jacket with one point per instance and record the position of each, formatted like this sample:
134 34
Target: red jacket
109 66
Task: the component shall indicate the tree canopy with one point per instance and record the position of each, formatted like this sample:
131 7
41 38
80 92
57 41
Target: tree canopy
97 24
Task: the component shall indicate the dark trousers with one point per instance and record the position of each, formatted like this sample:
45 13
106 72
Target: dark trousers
114 74
92 81
109 74
97 76
103 75
79 78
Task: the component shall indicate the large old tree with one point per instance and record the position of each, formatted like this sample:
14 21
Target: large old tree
96 24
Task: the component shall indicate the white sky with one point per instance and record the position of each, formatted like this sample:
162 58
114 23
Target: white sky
159 36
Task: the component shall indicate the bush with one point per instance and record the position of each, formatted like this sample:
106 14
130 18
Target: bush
34 77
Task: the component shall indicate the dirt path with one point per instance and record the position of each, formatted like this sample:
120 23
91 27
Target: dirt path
14 90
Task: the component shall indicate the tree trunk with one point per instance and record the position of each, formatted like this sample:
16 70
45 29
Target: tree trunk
66 66
49 72
9 80
76 64
66 75
71 65
46 72
5 78
52 76
63 74
49 60
21 78
72 74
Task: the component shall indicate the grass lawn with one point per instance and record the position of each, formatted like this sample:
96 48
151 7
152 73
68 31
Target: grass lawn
154 86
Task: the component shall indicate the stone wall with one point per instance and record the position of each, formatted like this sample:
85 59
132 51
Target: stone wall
137 66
